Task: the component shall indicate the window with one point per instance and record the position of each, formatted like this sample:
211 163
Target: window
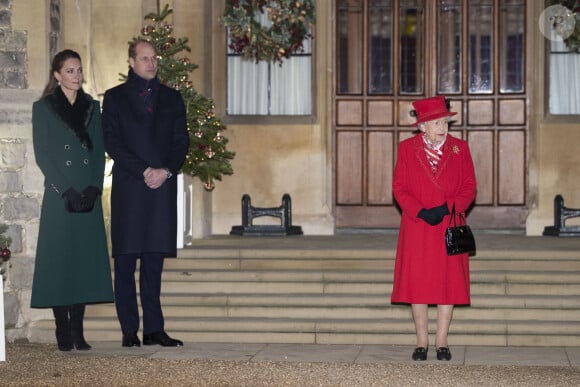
564 86
270 89
449 47
511 46
480 61
380 36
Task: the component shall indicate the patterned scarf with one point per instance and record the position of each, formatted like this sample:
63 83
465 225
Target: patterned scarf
433 152
146 89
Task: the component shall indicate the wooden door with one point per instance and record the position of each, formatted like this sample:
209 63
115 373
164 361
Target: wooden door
390 53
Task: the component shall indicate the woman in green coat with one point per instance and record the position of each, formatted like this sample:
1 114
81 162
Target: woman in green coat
72 259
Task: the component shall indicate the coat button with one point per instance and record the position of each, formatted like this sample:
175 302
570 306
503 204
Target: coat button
68 163
67 146
86 161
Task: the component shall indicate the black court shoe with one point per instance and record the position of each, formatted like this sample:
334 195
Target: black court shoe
443 353
420 353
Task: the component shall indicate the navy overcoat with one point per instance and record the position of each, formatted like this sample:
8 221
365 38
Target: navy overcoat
144 220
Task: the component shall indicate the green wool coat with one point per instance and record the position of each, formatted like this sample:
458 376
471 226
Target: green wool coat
72 258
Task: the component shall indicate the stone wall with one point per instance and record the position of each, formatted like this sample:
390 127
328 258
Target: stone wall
20 179
12 51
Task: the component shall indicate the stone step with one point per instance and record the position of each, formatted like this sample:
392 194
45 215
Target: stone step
352 312
477 275
385 331
355 264
341 295
383 326
322 260
361 276
363 288
541 302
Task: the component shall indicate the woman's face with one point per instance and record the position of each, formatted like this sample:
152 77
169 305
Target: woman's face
70 75
436 130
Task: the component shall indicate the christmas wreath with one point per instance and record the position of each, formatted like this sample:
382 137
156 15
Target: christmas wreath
571 37
289 23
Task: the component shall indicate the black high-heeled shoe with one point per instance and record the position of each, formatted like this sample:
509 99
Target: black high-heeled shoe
80 344
420 353
443 353
77 315
63 334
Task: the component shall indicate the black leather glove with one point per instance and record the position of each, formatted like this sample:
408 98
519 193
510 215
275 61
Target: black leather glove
441 211
429 217
72 200
90 196
433 216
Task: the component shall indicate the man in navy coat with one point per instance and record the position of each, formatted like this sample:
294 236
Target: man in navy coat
145 132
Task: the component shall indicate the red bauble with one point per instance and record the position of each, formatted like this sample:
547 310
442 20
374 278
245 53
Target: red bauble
5 253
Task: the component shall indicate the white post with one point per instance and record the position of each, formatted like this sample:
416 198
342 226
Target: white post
3 330
180 210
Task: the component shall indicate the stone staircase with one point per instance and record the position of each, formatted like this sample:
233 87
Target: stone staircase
342 296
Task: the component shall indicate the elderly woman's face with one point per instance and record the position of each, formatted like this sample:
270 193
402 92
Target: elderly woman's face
436 130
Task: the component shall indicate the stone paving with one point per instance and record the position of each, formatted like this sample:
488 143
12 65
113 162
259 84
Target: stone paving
215 364
319 353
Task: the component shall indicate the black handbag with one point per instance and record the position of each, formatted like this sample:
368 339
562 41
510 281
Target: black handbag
459 238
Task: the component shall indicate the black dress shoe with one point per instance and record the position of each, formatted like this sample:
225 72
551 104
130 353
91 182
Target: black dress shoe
443 353
65 347
131 340
420 353
161 338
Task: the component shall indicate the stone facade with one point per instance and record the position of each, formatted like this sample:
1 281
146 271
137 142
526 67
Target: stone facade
12 51
20 180
32 31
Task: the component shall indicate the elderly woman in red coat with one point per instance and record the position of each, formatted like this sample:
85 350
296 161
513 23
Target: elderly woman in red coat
434 171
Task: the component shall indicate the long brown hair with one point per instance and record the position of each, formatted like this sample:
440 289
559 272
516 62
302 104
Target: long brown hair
56 66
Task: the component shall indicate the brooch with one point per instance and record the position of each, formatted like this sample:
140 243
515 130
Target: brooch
455 149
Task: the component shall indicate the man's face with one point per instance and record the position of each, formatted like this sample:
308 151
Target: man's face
145 62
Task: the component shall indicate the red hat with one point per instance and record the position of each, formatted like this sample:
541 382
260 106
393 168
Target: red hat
432 108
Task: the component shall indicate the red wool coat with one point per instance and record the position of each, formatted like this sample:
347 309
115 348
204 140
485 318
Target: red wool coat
424 273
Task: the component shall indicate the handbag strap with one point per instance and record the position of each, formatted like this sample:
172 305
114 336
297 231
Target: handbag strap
452 218
462 221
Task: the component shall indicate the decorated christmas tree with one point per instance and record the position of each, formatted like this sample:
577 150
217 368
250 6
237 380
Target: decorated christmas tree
207 158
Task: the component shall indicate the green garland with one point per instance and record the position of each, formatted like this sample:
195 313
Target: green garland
291 21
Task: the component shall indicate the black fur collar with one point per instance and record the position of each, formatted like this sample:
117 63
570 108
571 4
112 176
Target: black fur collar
76 116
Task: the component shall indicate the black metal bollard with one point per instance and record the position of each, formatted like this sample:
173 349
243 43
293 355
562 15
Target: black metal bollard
561 213
249 213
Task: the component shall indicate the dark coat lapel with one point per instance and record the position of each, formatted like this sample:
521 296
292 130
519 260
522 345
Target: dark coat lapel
75 118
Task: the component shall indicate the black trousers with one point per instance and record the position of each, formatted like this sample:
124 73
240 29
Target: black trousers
151 267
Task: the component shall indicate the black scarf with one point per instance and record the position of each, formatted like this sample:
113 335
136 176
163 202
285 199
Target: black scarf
76 116
146 89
